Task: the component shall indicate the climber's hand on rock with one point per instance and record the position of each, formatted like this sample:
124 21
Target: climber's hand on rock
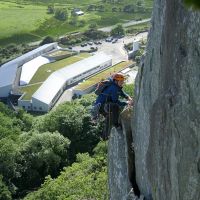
130 103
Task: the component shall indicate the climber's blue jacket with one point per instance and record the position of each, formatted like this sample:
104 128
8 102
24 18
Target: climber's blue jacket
111 94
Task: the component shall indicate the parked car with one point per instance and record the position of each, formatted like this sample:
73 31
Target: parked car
92 49
114 40
70 47
84 44
109 39
90 43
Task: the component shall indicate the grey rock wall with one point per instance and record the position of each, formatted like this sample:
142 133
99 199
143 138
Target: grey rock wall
120 159
166 135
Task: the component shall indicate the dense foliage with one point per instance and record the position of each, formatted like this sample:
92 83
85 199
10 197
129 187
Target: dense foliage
12 51
4 192
33 147
85 179
118 30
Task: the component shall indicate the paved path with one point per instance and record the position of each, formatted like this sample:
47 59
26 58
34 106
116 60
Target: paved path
130 23
66 96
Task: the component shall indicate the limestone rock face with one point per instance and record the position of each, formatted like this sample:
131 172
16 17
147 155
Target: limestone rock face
166 132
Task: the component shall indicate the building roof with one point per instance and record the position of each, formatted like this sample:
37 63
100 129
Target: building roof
30 68
53 84
9 69
7 74
28 55
79 12
49 88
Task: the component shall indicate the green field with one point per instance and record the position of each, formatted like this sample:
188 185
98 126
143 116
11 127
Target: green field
103 75
27 21
20 19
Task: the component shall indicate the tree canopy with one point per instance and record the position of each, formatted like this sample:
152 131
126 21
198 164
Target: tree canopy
32 148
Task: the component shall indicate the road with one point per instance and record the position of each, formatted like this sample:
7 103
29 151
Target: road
130 23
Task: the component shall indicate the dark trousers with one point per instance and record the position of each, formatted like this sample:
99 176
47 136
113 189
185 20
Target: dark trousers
111 113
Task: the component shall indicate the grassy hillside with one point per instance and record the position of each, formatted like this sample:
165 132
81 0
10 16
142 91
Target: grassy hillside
27 21
20 19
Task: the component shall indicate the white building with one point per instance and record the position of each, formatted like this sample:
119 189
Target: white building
47 95
30 68
79 13
8 71
7 78
136 45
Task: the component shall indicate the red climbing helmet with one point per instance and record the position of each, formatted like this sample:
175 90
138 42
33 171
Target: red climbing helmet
118 77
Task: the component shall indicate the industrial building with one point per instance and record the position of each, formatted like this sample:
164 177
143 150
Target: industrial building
8 71
49 92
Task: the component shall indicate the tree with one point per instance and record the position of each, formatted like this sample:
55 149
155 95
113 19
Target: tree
100 8
114 9
139 3
61 14
10 158
44 154
118 30
84 179
50 9
73 121
4 192
129 8
74 20
47 40
91 7
94 34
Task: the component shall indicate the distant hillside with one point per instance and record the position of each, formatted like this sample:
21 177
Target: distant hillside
26 21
